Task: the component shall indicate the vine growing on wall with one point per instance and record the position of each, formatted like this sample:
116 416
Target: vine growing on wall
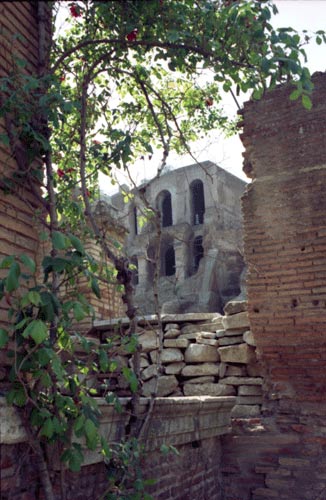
125 79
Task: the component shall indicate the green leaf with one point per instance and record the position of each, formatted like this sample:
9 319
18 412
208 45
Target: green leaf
306 101
76 243
295 95
28 262
37 329
7 261
59 241
78 311
130 376
91 434
103 360
95 287
47 428
4 337
12 280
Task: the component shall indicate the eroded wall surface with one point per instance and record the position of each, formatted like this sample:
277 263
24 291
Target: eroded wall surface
282 455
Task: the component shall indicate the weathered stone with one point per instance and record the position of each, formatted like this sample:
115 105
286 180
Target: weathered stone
245 411
241 353
154 356
199 353
221 333
180 343
235 307
249 338
254 369
207 390
265 493
171 355
222 370
148 341
186 317
236 322
201 380
235 371
149 372
202 340
208 335
171 326
190 336
209 327
172 333
200 370
166 384
217 320
143 361
238 339
249 400
234 333
190 328
174 368
243 380
250 390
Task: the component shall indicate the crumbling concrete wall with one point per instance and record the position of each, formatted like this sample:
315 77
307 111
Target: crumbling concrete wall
283 454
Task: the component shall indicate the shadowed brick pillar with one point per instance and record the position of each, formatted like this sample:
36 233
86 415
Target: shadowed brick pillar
285 240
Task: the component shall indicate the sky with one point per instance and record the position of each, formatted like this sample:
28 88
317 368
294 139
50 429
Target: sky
227 153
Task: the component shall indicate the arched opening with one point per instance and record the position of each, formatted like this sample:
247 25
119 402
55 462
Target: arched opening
197 200
164 205
169 261
134 270
198 252
134 219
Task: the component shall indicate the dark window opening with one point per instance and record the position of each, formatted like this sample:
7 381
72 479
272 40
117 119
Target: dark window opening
134 270
135 222
164 205
169 261
197 203
198 252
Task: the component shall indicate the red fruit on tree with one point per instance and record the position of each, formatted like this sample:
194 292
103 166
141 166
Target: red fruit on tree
132 36
75 11
209 101
60 173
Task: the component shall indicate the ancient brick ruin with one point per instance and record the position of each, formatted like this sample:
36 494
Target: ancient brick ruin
278 450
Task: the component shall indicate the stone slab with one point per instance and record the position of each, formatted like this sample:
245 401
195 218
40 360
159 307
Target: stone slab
149 372
202 340
200 370
235 371
241 353
250 390
243 380
172 333
166 384
237 339
201 380
148 340
183 318
171 326
235 307
249 400
171 355
207 390
245 411
249 338
179 343
199 353
174 368
236 321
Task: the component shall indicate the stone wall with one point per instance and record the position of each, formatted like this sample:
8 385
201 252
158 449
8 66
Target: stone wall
203 354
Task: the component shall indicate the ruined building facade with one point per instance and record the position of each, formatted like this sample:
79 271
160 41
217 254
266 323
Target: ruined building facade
200 259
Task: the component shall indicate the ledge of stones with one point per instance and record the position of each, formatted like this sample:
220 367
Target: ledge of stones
174 421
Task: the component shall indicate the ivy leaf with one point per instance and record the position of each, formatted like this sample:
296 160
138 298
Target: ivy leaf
28 262
47 428
78 311
306 101
130 376
12 280
295 95
37 329
4 337
95 287
59 241
76 243
91 434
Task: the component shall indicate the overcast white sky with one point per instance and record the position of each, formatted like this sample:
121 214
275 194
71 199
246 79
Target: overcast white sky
300 15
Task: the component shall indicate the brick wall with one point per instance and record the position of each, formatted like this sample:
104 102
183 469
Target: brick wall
282 454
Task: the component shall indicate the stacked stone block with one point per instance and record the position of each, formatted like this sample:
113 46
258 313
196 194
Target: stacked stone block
203 354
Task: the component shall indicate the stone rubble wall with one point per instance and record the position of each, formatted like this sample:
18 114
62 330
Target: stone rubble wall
203 354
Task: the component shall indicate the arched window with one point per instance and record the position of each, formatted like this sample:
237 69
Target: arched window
134 269
169 261
198 252
164 205
197 201
134 217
